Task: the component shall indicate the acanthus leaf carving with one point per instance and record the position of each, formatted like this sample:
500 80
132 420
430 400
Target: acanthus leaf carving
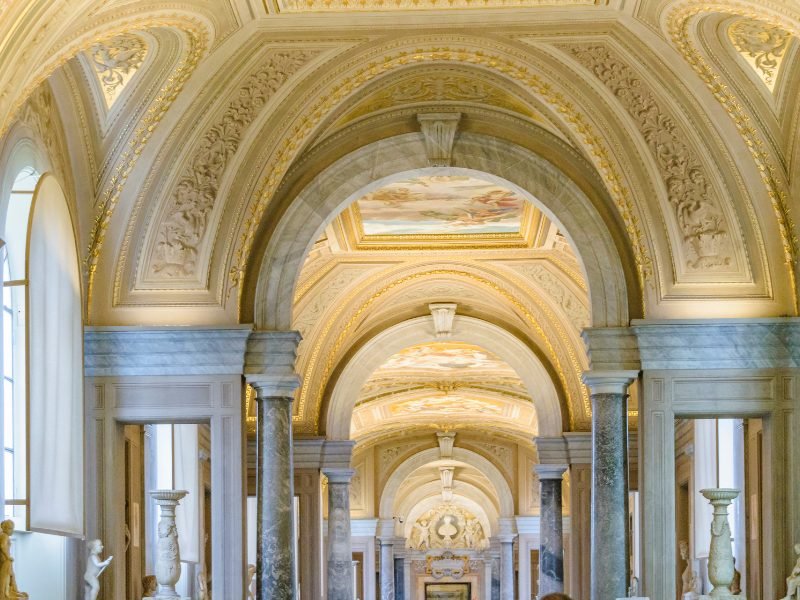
184 226
696 209
760 44
576 310
115 61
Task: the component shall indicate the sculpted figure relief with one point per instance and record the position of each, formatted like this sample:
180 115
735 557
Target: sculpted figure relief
94 567
447 526
8 583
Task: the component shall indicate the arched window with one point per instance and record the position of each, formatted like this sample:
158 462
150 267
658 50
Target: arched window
14 326
42 359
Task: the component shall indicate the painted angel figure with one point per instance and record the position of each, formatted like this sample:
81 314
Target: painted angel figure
94 567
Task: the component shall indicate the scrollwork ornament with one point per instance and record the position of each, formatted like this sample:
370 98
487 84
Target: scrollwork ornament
763 43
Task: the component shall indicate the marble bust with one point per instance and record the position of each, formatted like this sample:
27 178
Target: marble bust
793 581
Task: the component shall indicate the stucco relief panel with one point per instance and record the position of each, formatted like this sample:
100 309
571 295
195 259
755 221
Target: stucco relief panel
706 237
177 246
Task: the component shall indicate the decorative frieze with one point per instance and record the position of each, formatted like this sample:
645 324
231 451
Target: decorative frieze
705 232
184 225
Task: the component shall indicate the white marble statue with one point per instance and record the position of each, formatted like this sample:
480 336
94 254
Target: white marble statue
793 580
251 582
422 529
202 585
8 583
689 576
94 567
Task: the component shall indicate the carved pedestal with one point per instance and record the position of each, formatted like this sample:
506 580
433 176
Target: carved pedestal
720 554
168 554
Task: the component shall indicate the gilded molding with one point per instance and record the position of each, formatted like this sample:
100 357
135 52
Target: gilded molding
679 26
302 6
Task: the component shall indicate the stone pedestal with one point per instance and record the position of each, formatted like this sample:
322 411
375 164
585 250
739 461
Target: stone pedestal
387 568
610 540
551 547
275 578
168 554
720 554
340 553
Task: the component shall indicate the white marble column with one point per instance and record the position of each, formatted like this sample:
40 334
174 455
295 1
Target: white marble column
340 553
275 578
551 529
610 540
387 567
506 567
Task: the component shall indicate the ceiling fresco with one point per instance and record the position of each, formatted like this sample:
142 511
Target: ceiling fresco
450 359
436 205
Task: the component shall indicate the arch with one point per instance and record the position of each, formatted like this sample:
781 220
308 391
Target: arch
420 459
420 331
402 156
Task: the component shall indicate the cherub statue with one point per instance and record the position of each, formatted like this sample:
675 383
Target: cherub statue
94 567
251 582
8 583
149 586
793 580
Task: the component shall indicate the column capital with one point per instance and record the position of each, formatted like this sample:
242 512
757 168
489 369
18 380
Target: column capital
338 475
550 471
551 450
609 382
385 530
279 387
269 363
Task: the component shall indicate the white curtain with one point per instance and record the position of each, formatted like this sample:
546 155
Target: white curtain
56 367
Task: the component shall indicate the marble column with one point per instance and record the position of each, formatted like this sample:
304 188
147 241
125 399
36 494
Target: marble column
609 519
506 567
340 553
551 529
387 568
275 576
